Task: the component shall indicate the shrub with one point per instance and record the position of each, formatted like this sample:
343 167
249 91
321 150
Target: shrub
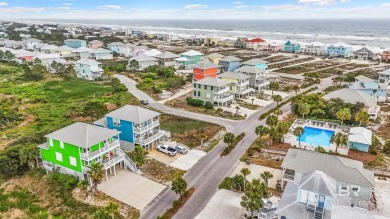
208 105
148 80
226 183
195 102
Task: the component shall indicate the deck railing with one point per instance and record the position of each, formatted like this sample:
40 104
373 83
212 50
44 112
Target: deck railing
108 147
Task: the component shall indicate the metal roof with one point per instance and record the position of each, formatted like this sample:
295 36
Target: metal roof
255 62
233 75
340 168
82 134
88 62
360 135
352 96
230 59
132 113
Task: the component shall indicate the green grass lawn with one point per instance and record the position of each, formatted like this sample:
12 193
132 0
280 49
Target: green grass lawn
54 102
181 125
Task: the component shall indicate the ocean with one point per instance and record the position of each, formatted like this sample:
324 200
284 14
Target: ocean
357 32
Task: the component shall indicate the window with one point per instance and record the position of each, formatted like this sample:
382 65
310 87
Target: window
72 161
199 93
62 144
194 93
50 142
344 185
199 85
116 122
355 188
58 156
194 85
205 87
212 87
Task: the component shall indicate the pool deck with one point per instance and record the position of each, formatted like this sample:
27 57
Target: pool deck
290 138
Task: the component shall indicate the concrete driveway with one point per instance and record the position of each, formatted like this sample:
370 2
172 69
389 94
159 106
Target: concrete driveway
179 161
131 188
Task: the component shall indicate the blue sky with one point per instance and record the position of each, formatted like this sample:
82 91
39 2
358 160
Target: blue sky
194 9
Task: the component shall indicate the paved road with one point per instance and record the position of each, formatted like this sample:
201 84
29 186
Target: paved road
205 175
227 123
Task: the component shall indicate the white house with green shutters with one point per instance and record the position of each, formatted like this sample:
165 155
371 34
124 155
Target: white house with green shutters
73 148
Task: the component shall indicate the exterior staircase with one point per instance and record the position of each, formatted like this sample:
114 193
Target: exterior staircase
131 165
318 213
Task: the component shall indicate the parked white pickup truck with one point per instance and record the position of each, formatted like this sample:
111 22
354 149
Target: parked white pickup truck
166 149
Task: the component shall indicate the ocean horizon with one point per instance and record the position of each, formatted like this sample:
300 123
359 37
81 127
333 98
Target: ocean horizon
356 32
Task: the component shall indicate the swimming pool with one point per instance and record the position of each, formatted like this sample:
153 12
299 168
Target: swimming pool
316 136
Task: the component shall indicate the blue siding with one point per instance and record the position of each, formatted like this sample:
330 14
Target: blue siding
126 129
358 146
338 51
229 66
259 66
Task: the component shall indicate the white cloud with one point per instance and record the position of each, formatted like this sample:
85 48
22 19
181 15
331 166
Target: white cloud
245 6
3 3
385 5
67 4
284 7
63 8
21 10
109 7
196 6
237 3
344 1
318 2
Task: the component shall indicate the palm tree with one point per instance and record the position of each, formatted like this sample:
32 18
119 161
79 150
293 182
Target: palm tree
339 139
343 114
95 172
296 88
266 175
362 117
111 209
237 108
28 155
304 109
237 182
179 186
202 137
255 192
261 130
245 172
228 138
252 101
273 86
272 120
277 99
299 132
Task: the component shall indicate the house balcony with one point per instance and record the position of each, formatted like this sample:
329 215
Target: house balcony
288 177
152 137
222 91
139 129
110 162
244 91
107 147
223 98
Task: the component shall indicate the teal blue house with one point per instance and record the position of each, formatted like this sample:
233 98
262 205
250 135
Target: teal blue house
137 126
257 63
190 58
359 138
291 47
75 43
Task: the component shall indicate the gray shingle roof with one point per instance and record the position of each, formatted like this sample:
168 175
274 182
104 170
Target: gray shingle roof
133 114
340 168
255 62
212 82
318 182
82 134
233 75
143 58
88 62
206 65
214 56
230 59
352 96
166 55
250 70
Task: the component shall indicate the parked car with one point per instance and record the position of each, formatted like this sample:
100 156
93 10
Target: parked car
181 149
144 102
166 149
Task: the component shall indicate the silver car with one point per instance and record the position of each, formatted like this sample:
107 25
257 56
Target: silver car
182 150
